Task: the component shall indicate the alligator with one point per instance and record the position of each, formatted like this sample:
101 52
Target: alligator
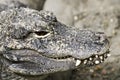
34 43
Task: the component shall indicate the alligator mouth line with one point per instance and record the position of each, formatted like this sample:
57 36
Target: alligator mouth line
92 60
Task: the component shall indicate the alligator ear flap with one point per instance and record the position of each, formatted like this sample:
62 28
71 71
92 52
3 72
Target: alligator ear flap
26 68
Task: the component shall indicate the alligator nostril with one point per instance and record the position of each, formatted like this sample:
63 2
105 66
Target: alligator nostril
103 38
100 38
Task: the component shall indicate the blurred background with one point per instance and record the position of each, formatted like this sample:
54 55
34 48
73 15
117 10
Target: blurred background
95 15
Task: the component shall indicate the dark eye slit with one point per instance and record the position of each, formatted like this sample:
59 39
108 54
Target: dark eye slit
41 33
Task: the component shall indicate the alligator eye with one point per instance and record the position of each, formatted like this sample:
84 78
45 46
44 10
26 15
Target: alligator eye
41 33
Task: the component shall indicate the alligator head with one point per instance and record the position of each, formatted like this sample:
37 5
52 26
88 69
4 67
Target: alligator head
35 43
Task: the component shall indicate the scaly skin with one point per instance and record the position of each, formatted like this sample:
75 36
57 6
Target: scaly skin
35 43
9 4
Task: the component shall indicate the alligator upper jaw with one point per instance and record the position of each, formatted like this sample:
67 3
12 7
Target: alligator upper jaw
30 63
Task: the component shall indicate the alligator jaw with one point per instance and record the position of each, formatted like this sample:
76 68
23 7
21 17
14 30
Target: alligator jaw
34 63
30 62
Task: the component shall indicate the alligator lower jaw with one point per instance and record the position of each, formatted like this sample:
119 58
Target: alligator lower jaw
59 64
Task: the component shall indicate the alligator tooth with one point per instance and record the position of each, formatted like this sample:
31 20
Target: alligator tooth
108 55
96 56
77 62
90 58
101 57
97 62
101 61
85 61
73 58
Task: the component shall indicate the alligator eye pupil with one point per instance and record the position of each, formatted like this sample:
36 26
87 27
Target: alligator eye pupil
41 33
